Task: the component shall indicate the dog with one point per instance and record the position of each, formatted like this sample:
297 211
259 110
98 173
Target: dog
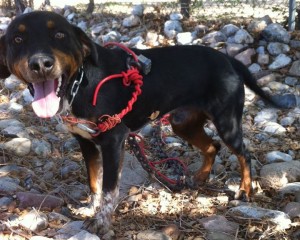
107 92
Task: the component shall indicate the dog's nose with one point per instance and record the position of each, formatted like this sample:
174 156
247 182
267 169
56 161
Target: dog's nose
41 64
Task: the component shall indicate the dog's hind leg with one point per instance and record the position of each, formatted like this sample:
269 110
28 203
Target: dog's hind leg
188 124
229 127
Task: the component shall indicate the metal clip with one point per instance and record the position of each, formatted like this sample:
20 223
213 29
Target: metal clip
86 128
76 85
145 63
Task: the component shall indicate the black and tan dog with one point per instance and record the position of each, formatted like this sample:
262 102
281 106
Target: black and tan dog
193 83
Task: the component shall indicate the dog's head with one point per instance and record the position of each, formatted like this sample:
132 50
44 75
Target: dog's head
44 50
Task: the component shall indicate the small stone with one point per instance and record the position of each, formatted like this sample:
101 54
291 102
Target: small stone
84 235
184 38
229 29
277 156
152 235
287 121
292 209
291 81
277 175
131 21
274 128
176 16
280 219
276 33
276 48
35 221
295 68
12 83
138 10
18 146
258 25
254 68
171 28
280 61
246 56
41 147
243 37
233 49
214 37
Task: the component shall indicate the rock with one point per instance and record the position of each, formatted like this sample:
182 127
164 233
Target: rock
277 175
84 235
254 68
27 97
280 219
229 30
9 185
19 146
184 38
138 10
280 61
290 188
40 238
15 131
233 49
5 202
38 201
243 37
278 86
276 33
287 121
41 147
34 221
171 28
214 37
274 128
266 115
68 168
218 223
15 107
10 122
176 16
246 56
112 36
152 235
295 44
152 39
287 100
12 83
132 174
276 48
292 209
291 81
172 231
295 68
70 229
258 25
131 21
266 79
277 156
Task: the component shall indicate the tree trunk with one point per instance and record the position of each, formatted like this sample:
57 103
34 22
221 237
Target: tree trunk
185 8
90 7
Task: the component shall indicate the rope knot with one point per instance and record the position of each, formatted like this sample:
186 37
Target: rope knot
107 122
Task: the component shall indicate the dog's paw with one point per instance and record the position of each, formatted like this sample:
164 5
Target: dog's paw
90 210
242 195
100 224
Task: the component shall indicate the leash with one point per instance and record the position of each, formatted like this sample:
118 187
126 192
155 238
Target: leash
179 179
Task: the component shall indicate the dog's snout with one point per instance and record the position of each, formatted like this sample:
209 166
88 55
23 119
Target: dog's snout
41 64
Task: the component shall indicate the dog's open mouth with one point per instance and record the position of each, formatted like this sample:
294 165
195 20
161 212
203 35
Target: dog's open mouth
47 95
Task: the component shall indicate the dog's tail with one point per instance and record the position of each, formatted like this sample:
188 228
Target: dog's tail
249 80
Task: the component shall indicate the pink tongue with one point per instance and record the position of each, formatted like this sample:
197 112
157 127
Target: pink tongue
45 103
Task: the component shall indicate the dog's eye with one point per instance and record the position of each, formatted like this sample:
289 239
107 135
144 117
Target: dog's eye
59 35
18 40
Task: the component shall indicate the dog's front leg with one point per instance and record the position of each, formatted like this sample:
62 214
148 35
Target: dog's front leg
93 159
111 147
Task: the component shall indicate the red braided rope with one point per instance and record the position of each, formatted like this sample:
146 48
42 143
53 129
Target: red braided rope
132 75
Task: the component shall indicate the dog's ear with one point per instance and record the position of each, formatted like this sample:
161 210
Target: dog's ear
89 47
4 72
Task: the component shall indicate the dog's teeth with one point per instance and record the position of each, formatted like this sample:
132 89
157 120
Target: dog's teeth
58 86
